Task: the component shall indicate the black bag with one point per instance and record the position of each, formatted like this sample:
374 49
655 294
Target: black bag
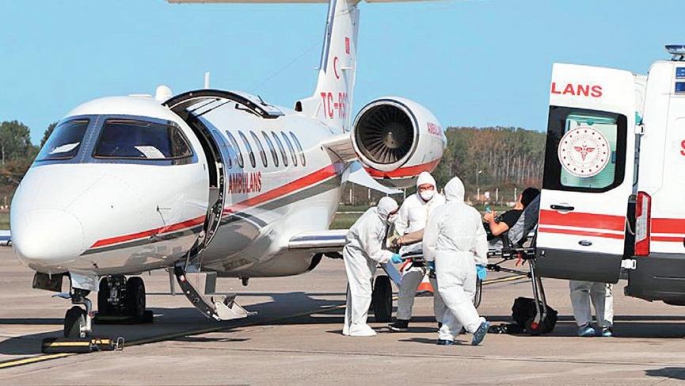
523 312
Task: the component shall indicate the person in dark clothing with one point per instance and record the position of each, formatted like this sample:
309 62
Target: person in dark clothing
498 225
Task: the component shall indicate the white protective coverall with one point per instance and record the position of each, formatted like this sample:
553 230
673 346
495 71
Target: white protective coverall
413 217
363 251
602 298
456 240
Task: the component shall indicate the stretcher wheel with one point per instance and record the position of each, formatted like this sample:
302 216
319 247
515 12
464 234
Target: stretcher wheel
534 328
381 299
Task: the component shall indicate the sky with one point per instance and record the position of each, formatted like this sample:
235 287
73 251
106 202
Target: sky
472 63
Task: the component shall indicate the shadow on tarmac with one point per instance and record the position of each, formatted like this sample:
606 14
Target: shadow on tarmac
667 372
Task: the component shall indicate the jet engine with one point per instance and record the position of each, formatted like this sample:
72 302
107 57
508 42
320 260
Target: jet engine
396 139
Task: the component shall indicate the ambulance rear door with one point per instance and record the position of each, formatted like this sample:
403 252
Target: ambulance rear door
588 175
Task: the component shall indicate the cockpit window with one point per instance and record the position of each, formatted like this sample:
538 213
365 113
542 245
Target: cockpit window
64 141
128 138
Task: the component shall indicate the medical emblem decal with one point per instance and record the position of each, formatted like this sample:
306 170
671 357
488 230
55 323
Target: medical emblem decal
584 151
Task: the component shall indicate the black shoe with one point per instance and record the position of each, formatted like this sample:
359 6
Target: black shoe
444 342
399 325
439 325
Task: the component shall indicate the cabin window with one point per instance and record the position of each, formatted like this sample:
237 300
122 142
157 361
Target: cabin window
137 139
585 150
250 153
274 155
290 147
281 148
65 141
262 154
299 148
238 153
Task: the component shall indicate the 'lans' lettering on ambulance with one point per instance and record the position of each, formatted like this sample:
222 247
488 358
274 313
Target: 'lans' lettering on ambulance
587 90
245 182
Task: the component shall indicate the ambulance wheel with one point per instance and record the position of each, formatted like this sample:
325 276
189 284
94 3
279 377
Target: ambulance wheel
135 297
104 307
75 322
381 299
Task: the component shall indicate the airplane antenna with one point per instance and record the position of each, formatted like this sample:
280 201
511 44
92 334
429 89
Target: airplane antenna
207 80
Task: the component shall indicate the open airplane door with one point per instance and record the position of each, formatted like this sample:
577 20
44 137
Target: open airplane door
588 177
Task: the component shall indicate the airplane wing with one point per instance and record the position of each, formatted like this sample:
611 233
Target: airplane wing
333 241
319 242
341 145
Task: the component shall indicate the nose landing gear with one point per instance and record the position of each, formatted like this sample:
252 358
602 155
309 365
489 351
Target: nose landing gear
77 321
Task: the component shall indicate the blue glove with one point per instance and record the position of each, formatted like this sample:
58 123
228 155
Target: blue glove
481 272
431 265
396 258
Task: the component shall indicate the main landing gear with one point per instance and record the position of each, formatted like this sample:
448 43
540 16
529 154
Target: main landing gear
122 300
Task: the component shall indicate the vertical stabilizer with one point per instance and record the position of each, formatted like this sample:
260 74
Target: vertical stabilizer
332 100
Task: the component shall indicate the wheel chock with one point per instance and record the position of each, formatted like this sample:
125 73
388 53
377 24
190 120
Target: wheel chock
80 345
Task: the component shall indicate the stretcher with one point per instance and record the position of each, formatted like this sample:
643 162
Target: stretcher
508 247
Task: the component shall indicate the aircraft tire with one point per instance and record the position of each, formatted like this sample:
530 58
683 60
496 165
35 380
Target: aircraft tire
135 297
74 321
381 299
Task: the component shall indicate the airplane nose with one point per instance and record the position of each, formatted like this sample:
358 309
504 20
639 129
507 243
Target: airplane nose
47 237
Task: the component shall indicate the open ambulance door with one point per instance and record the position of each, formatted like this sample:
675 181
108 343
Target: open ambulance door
588 174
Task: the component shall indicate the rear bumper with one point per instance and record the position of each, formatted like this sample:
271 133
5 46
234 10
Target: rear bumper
573 265
658 277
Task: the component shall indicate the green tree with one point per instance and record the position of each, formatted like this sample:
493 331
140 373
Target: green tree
15 141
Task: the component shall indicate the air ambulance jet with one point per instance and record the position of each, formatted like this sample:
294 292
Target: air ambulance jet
209 183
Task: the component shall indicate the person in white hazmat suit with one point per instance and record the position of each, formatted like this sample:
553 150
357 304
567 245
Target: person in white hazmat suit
413 217
363 251
456 240
603 300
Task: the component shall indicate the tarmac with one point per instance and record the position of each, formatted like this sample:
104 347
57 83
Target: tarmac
296 339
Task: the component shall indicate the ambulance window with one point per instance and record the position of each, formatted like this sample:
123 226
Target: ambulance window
64 141
261 148
137 139
281 148
290 147
585 151
299 148
238 153
271 148
250 153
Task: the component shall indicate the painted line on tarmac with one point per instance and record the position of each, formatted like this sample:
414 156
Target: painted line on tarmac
155 339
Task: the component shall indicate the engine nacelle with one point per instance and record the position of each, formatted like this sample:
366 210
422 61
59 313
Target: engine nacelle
396 139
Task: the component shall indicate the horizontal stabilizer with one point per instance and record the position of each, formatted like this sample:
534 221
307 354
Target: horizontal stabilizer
356 174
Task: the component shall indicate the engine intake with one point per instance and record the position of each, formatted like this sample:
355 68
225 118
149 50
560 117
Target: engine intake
385 134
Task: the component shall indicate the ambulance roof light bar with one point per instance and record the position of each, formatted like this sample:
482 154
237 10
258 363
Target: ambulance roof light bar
677 50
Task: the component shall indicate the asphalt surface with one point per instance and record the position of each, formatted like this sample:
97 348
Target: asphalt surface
296 339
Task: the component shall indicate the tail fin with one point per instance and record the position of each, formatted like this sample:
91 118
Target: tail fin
332 100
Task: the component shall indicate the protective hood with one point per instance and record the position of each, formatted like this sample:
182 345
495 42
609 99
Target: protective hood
454 190
425 178
385 206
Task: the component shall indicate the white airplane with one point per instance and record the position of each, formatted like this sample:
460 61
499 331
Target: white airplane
209 183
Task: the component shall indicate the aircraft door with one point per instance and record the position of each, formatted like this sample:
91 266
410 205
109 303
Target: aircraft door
588 176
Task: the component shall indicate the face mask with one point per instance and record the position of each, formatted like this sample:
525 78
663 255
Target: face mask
392 218
426 195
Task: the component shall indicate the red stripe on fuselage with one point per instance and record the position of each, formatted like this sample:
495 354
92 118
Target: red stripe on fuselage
133 236
409 171
582 220
308 180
